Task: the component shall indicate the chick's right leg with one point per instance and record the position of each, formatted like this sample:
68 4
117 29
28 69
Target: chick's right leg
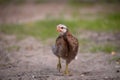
59 64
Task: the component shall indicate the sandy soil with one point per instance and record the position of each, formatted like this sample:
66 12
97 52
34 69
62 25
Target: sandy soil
33 60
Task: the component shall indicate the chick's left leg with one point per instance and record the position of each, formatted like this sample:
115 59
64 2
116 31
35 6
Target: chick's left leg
66 70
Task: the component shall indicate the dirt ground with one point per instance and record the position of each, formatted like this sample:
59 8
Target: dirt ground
30 59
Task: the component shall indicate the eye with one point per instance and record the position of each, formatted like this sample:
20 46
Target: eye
62 27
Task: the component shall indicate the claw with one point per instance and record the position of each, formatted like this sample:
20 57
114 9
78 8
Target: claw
66 72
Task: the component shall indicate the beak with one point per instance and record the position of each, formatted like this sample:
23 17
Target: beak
58 30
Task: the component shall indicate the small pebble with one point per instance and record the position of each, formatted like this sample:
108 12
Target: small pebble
33 76
82 75
118 71
113 53
106 77
117 62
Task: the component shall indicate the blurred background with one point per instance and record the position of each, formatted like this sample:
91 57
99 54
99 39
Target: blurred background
30 25
95 22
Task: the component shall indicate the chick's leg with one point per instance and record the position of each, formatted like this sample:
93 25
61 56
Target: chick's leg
66 69
59 64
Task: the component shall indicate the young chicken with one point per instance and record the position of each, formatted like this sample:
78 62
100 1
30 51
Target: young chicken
66 47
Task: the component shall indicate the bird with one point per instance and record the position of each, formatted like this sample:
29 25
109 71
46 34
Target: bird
66 47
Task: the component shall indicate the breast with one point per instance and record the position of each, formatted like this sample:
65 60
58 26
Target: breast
73 44
61 47
66 47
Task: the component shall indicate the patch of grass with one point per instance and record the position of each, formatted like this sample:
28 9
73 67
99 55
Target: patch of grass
5 1
109 23
13 48
90 2
110 1
78 3
104 48
84 45
40 1
116 58
45 29
40 29
84 42
12 1
19 1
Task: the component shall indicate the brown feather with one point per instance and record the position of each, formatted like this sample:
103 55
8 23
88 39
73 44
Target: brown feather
67 46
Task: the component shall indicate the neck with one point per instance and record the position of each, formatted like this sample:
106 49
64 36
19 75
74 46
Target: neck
67 33
64 33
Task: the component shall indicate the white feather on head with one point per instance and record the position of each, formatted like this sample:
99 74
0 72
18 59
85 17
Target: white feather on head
61 25
62 28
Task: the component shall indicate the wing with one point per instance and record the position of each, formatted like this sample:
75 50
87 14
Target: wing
60 48
73 44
